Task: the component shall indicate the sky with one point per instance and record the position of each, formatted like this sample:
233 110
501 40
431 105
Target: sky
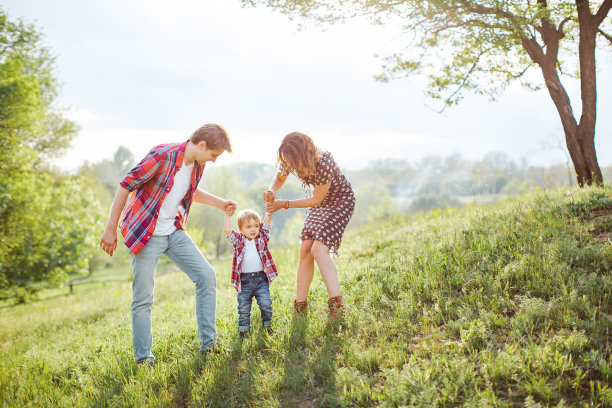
139 73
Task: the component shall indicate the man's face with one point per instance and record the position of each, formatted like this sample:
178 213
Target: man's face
205 154
250 228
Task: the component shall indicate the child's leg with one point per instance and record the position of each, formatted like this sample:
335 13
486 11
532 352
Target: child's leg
245 299
264 301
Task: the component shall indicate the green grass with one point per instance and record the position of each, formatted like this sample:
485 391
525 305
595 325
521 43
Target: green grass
503 305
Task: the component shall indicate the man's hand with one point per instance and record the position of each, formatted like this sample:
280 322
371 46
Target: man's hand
229 207
109 241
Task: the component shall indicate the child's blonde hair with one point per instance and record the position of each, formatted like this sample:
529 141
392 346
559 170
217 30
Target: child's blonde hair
246 215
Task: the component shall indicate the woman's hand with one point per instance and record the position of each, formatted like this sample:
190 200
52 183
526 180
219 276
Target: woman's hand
268 196
273 206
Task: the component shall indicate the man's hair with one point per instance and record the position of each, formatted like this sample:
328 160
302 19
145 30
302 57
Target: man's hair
214 135
298 154
247 215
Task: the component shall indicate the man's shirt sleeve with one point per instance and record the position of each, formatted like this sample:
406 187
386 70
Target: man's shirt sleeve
143 172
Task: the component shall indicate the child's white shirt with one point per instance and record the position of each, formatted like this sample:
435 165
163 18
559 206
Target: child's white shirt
169 208
251 262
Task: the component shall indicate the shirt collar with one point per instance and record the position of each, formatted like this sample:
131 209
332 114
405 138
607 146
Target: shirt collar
180 155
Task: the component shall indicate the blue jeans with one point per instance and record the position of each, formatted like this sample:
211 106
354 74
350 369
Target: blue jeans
254 285
180 248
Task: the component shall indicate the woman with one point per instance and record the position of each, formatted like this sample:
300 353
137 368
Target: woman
329 210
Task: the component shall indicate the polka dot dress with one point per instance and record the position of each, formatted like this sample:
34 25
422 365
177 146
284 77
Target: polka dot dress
327 221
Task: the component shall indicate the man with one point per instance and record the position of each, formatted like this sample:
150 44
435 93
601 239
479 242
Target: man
163 186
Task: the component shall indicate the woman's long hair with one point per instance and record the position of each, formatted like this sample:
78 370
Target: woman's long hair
298 155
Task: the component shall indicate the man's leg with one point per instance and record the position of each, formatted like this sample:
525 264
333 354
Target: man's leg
143 265
184 252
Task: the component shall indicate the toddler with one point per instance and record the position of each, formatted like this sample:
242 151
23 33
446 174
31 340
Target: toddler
253 268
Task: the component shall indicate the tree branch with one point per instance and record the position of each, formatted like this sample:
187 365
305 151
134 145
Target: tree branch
606 36
602 12
560 28
465 79
534 50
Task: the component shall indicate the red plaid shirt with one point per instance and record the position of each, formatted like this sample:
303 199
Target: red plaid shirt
150 181
261 243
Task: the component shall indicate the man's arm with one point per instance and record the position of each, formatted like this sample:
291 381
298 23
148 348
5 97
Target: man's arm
109 237
206 198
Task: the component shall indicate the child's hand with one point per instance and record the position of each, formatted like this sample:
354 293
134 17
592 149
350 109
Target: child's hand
229 210
268 196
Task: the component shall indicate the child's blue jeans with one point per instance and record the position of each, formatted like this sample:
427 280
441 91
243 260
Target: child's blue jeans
254 285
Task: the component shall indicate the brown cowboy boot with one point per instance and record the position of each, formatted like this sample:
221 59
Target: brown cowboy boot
299 308
336 306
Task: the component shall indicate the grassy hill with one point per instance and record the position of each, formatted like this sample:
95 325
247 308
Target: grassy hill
503 305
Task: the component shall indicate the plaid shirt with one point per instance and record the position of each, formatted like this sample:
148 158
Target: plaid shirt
238 240
150 181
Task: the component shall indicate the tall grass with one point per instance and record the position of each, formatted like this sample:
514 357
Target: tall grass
502 305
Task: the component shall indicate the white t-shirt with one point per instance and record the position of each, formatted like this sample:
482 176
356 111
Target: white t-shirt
251 262
169 208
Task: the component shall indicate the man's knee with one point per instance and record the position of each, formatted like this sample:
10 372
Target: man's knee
206 279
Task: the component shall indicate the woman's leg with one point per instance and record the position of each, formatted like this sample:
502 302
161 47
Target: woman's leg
328 270
305 271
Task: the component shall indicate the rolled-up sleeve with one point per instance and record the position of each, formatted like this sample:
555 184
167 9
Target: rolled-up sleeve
234 238
143 171
265 232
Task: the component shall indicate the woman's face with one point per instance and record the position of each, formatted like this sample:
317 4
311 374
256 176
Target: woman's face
292 167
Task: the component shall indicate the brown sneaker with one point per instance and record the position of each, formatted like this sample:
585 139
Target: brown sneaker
336 306
299 307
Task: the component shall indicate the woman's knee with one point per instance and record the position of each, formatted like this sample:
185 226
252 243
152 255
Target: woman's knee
319 249
306 251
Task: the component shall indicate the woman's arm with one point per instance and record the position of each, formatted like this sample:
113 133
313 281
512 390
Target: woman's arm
275 185
318 195
278 181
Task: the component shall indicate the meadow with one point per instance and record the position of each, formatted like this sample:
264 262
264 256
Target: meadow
502 305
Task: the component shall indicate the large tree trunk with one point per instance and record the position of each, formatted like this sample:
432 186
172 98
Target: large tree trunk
579 137
588 90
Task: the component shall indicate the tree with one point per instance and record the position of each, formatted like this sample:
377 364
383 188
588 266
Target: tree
45 221
489 44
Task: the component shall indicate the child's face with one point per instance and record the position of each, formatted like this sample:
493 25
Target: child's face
250 228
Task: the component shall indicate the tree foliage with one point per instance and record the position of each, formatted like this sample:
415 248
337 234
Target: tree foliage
46 221
482 46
